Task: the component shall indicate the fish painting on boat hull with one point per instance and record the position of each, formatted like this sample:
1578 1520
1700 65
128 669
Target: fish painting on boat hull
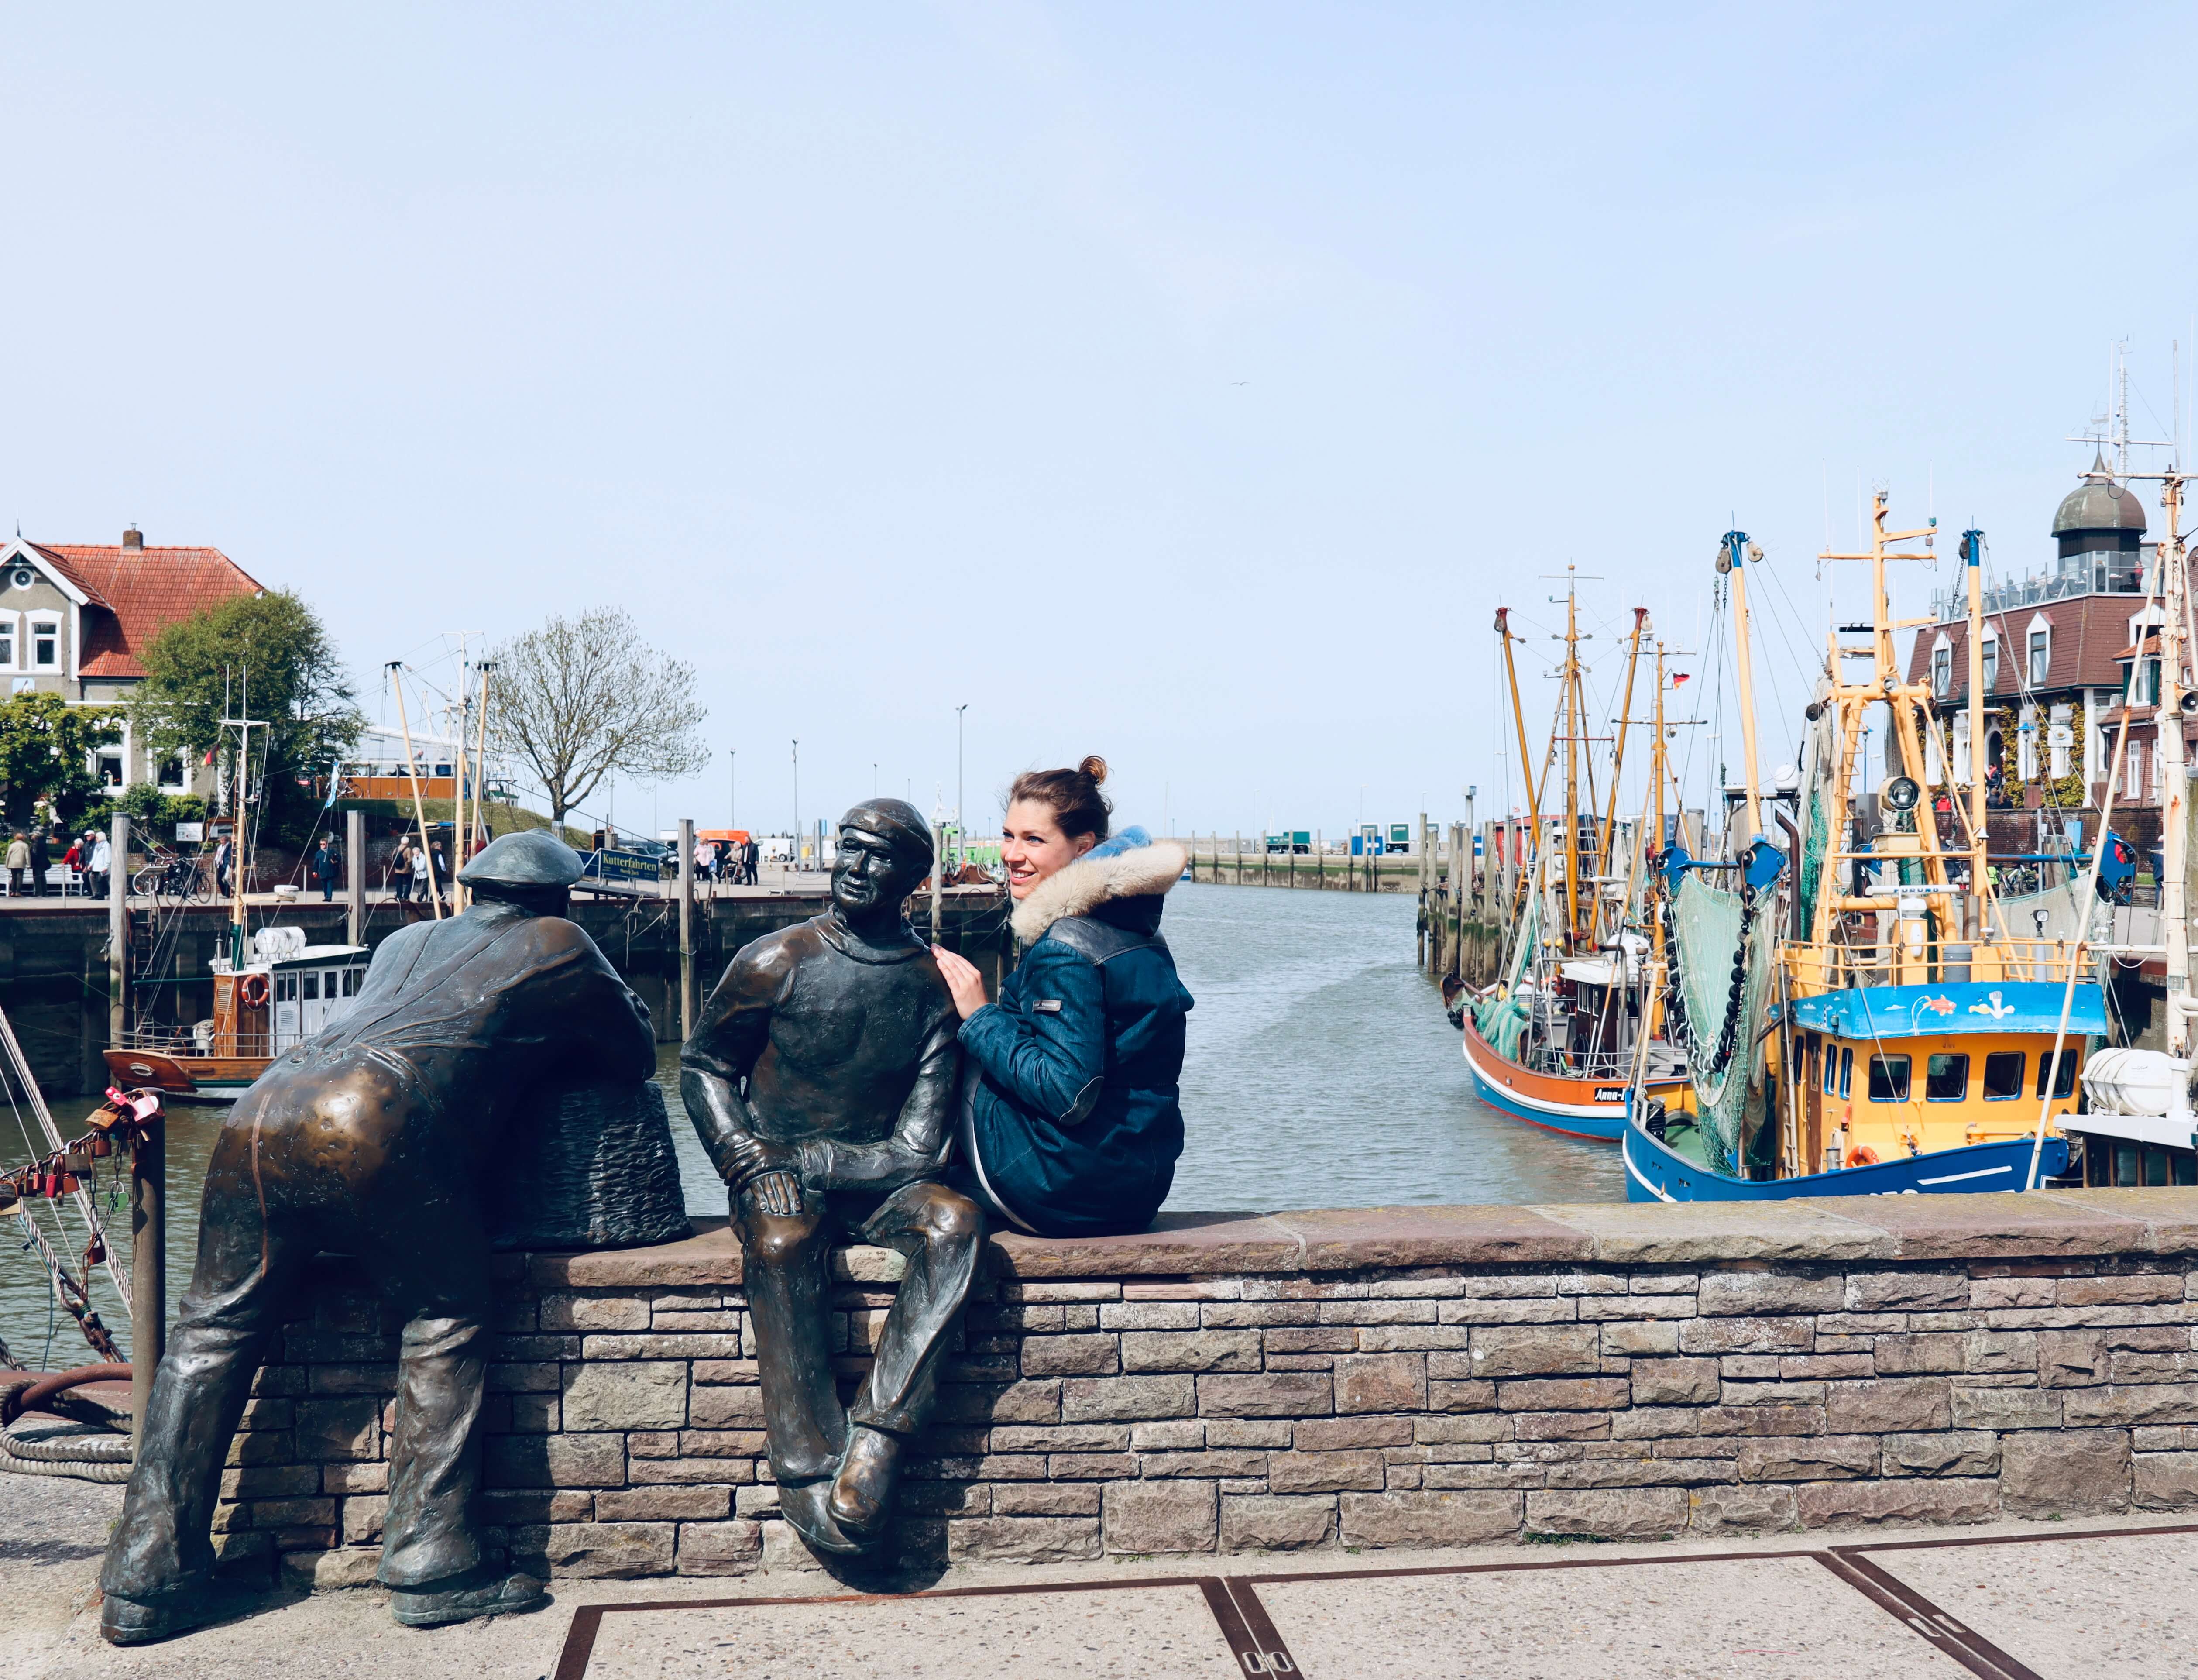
1591 1108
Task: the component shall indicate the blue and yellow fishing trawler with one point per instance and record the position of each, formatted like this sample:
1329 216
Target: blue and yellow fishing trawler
1869 1017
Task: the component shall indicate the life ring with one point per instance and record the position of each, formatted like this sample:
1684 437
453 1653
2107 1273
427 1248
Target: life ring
253 993
1862 1155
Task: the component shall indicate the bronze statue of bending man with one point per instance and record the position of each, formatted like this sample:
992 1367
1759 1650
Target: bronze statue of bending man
822 1078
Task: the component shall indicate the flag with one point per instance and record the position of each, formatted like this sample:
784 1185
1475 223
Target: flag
1677 677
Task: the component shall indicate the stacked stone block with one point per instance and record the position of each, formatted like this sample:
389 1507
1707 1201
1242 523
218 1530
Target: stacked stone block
1382 1406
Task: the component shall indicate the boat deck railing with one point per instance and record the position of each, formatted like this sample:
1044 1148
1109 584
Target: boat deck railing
187 1041
1832 965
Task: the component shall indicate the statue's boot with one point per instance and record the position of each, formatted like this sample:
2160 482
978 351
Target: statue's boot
808 1507
133 1621
461 1598
861 1494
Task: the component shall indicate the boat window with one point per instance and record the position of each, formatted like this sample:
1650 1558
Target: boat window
1946 1077
2125 1165
1831 1068
1847 1072
353 976
1888 1078
2156 1166
2064 1083
2003 1076
312 987
2186 1169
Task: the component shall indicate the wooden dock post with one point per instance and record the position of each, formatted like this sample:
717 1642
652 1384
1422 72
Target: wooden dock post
118 928
355 877
686 929
1237 857
1319 859
149 1261
937 866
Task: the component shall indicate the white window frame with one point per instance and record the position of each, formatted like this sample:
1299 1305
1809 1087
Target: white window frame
44 618
11 641
1963 759
2026 744
1942 666
2038 661
179 764
1988 649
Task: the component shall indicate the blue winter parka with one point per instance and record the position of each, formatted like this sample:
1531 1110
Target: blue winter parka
1072 1120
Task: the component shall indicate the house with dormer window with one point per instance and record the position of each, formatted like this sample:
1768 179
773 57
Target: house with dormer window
2058 648
76 617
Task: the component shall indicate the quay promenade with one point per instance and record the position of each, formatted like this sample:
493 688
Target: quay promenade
2004 1600
1568 1439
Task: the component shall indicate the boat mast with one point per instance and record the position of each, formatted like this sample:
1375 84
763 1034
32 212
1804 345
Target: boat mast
2175 814
1972 545
1519 718
1524 880
1738 549
1618 750
1903 701
1574 723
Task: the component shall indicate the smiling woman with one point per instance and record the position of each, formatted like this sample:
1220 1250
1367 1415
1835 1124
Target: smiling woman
1072 1120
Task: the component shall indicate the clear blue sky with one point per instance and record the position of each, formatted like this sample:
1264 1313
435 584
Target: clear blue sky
1183 384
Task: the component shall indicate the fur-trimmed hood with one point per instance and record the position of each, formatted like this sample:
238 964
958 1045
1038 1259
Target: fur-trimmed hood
1090 881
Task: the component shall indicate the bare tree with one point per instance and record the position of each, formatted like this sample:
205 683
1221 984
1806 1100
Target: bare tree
586 696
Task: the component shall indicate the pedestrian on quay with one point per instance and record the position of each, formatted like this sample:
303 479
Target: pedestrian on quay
19 863
102 863
41 860
397 878
72 863
1072 1122
224 864
423 883
323 868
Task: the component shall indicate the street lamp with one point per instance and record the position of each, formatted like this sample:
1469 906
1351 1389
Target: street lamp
733 788
797 805
958 711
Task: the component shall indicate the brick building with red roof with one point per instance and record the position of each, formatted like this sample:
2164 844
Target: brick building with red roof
76 618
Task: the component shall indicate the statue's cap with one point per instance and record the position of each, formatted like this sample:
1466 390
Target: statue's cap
534 857
898 820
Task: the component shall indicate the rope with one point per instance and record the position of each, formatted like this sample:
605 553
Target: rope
86 1457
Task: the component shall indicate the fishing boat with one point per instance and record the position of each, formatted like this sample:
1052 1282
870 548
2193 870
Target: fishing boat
1557 1041
284 992
2136 1127
1868 1016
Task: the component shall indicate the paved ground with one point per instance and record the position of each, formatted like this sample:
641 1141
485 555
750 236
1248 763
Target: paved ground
2107 1598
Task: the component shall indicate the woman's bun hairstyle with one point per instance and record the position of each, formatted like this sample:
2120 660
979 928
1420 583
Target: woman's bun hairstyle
1072 795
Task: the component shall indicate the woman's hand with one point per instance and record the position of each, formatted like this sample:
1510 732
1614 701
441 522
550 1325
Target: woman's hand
962 980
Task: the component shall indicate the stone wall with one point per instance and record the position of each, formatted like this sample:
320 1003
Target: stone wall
1405 1377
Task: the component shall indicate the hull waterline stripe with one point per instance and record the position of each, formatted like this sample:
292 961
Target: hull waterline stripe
1957 1177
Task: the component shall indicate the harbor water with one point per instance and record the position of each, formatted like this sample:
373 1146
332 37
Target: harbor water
1321 1072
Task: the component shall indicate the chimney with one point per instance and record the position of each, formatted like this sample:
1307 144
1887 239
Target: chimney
133 538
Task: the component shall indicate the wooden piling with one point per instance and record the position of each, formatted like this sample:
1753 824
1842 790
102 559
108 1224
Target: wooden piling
149 1261
355 877
686 929
117 926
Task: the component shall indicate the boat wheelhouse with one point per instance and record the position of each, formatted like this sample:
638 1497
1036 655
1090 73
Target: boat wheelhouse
285 991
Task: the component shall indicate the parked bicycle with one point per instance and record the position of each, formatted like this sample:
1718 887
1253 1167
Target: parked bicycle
173 875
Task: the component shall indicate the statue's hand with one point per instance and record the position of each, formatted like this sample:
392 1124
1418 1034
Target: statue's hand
776 1191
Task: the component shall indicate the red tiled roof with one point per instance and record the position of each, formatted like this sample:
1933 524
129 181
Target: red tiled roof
138 593
2090 636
